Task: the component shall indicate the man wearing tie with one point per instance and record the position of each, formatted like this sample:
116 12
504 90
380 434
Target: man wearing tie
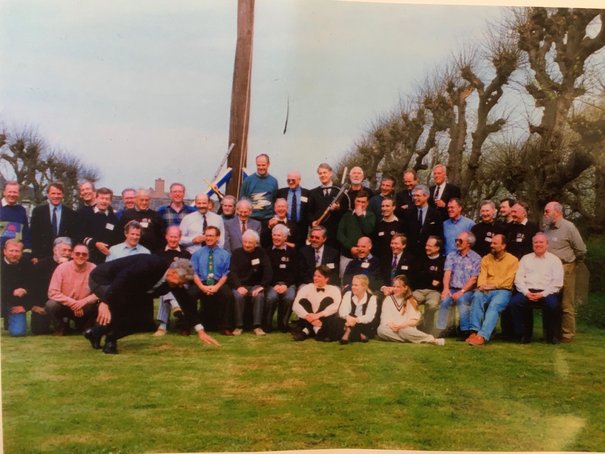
51 220
298 203
422 221
194 224
318 253
442 191
235 227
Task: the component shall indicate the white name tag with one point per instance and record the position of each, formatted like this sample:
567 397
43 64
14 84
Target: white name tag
109 226
365 265
488 239
404 267
144 224
255 261
304 199
282 266
380 233
330 265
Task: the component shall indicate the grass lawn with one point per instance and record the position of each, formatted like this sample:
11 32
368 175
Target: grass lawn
173 394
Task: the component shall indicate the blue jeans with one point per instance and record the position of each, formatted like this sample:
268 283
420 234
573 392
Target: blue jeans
283 304
464 306
496 301
17 324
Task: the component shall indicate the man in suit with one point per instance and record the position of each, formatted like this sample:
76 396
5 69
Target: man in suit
363 263
399 261
234 228
442 191
51 220
99 228
298 206
403 199
321 199
318 253
121 284
422 221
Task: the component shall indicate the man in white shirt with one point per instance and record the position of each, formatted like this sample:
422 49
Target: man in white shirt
538 282
194 224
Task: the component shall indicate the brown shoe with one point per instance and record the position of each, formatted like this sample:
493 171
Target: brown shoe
566 340
472 336
227 332
59 332
185 332
477 341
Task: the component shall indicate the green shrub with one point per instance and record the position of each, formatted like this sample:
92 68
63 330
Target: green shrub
595 261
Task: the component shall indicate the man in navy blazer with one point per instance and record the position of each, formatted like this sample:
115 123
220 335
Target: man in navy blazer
318 253
442 191
51 220
123 284
422 221
237 225
298 206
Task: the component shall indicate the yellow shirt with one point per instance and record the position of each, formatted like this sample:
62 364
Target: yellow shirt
498 273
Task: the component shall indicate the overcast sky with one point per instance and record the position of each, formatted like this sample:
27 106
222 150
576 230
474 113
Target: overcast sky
141 89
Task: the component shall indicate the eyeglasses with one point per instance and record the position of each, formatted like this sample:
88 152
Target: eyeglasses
459 240
291 180
81 254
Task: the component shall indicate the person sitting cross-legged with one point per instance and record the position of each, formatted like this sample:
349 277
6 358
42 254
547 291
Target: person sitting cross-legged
494 286
316 306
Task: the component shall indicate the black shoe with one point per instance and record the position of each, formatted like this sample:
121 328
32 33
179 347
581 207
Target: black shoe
110 347
178 314
525 339
299 336
343 341
463 336
94 335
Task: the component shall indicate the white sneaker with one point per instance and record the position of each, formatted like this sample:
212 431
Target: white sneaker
259 331
440 342
237 332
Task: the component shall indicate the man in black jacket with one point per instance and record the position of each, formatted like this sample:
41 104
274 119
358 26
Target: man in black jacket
51 220
121 284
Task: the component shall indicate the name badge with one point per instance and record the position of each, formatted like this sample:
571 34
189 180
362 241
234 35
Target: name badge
519 239
365 265
304 199
404 267
282 266
255 261
144 224
285 259
380 233
330 265
109 226
488 239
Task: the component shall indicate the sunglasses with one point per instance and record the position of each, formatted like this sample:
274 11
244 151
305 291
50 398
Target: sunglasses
81 254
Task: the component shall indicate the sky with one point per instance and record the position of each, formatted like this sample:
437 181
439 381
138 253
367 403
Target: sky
142 89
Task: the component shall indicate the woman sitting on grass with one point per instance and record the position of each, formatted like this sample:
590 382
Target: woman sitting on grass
358 310
400 315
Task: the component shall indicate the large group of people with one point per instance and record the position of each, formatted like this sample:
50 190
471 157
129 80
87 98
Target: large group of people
331 263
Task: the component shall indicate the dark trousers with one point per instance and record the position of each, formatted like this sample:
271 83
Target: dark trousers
216 311
331 327
522 316
57 312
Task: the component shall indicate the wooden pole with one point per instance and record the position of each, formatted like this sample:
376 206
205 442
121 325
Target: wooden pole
240 95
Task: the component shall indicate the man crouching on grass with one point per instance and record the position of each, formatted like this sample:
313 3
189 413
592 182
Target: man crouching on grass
123 286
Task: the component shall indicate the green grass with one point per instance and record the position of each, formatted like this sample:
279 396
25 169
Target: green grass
173 394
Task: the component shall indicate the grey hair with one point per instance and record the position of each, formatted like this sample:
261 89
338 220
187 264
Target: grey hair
282 229
487 202
183 268
62 240
243 202
421 188
252 234
471 238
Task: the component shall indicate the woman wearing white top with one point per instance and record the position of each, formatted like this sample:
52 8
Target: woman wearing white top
400 315
358 310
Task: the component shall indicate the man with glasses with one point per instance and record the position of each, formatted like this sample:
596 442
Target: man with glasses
298 203
461 270
69 296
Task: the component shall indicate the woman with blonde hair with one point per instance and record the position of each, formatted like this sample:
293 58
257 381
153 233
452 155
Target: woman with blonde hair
358 310
400 315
